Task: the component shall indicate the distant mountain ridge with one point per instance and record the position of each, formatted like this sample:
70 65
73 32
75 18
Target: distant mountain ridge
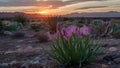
92 14
95 14
13 14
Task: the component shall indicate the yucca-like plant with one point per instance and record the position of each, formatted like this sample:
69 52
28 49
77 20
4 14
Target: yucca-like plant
72 47
102 29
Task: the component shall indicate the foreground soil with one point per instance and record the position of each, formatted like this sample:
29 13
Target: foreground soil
27 48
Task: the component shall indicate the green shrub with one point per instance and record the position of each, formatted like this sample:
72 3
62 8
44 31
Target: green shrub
116 27
12 27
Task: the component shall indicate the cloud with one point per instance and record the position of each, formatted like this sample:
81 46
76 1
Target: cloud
91 7
54 3
17 3
51 5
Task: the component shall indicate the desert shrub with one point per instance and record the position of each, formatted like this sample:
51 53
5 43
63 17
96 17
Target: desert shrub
21 19
1 25
1 28
68 19
12 27
102 29
72 46
84 21
116 31
36 27
116 27
42 37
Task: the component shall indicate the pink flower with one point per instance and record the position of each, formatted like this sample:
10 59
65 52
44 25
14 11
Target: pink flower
72 28
57 26
78 32
57 34
67 34
85 30
48 35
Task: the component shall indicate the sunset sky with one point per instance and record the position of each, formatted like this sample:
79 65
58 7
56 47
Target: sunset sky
59 6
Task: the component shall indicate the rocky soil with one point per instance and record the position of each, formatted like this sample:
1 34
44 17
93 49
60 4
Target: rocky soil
29 53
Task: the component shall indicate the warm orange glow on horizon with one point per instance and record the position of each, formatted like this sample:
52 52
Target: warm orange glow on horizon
43 12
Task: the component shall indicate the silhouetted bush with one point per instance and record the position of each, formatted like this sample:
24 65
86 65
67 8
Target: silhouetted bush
36 27
1 26
21 19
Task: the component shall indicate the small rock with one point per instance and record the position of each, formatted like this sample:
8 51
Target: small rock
20 50
18 46
30 41
8 33
35 66
26 64
29 49
20 40
4 65
112 49
105 66
117 60
16 65
35 62
6 23
18 35
37 58
13 62
51 64
8 52
29 36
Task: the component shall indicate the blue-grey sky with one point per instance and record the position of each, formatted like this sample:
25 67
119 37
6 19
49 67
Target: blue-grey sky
59 6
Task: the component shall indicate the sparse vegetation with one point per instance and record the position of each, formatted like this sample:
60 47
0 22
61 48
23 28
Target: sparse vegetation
79 52
21 19
74 49
36 27
12 27
1 26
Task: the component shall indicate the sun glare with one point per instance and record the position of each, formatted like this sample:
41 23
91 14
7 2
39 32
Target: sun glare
43 12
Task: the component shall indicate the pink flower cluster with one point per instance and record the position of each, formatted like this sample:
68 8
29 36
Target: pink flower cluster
68 31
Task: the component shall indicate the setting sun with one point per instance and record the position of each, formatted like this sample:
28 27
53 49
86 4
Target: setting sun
43 12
